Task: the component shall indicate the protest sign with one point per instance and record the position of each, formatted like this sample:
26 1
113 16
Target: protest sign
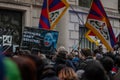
6 40
41 40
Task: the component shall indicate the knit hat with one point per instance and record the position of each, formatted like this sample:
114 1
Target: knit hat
61 48
11 69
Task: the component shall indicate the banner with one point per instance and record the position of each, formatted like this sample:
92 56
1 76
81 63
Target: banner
39 40
51 13
98 23
6 40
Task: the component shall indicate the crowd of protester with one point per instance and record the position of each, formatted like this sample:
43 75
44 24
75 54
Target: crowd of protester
84 64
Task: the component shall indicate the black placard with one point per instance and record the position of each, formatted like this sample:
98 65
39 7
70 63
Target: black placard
39 40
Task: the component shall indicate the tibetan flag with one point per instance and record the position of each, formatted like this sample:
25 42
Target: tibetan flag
92 37
44 22
98 23
52 11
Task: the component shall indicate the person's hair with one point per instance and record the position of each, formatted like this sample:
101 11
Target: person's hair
117 61
96 51
86 52
39 62
107 63
67 73
62 54
48 71
27 67
70 56
93 71
59 67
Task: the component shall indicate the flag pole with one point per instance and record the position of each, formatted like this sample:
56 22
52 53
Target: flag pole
80 20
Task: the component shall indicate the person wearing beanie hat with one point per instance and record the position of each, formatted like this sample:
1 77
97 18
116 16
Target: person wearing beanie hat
11 69
61 48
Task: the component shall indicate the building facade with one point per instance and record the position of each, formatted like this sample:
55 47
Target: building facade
16 14
77 18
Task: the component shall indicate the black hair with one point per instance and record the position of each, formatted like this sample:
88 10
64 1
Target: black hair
93 71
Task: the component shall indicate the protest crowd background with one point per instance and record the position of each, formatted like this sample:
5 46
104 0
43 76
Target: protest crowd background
38 58
81 64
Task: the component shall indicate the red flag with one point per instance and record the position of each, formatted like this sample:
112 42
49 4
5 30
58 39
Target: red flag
52 11
98 23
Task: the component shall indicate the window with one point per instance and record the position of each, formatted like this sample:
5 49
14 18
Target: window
11 24
84 43
119 5
85 3
118 37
